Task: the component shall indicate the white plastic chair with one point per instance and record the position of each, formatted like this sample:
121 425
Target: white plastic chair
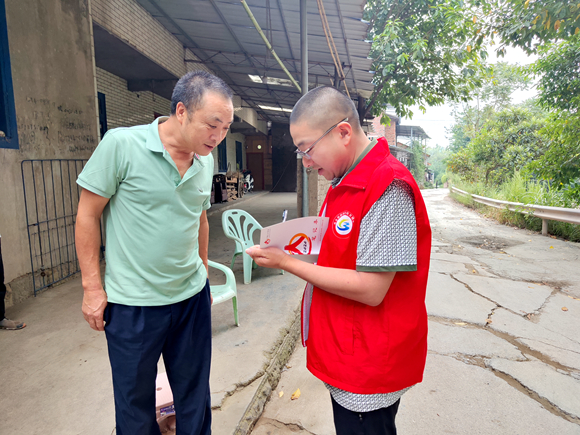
224 292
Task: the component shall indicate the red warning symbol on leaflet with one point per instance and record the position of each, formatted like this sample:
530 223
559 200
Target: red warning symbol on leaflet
267 242
300 244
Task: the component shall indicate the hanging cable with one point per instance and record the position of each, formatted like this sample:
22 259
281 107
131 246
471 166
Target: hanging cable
331 45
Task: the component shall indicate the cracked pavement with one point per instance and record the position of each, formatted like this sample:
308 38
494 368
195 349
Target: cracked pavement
504 338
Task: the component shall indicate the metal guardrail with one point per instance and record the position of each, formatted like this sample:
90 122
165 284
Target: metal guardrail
570 215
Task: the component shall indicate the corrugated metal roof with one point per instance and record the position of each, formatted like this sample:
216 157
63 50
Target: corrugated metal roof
412 131
222 35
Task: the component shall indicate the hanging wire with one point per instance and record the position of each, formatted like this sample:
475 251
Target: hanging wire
331 45
269 30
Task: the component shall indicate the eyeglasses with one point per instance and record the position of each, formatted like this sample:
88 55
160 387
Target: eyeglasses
305 153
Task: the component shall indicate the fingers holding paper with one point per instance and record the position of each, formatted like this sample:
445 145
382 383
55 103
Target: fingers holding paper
273 258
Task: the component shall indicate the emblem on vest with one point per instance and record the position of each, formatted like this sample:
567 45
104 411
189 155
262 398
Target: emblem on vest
343 223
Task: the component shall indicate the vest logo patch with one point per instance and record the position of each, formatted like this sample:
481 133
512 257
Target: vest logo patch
343 223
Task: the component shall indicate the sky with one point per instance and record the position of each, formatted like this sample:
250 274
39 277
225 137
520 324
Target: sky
436 119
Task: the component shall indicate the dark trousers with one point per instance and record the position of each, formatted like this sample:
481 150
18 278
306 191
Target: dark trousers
378 422
136 337
2 285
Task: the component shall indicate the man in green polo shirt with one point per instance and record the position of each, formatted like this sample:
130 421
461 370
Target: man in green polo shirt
152 183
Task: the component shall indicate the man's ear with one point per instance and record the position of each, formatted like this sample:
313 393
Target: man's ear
181 112
345 130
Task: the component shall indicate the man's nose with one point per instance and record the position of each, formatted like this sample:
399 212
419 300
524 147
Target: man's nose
215 137
306 162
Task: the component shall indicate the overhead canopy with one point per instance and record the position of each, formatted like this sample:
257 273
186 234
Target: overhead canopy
411 131
222 35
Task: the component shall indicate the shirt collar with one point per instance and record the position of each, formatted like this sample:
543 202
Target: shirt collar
336 181
153 140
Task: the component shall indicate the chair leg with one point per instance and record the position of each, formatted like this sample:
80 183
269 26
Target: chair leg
235 303
247 268
234 259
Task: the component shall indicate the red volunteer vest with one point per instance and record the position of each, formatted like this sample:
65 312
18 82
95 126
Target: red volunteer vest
353 346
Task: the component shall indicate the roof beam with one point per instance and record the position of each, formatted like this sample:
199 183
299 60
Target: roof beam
256 56
286 33
233 34
198 48
345 42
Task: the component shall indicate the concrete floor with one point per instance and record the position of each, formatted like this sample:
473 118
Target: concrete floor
56 378
504 340
503 354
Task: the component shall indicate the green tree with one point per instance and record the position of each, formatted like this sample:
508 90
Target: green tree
437 161
508 142
458 138
528 24
498 85
418 167
559 86
423 53
559 72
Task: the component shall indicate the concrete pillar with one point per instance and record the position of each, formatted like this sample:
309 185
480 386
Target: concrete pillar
544 227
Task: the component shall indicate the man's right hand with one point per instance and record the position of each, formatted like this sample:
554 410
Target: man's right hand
94 303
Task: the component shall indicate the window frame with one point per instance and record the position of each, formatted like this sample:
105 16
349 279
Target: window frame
222 156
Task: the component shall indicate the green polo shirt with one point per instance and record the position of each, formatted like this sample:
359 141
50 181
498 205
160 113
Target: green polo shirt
152 218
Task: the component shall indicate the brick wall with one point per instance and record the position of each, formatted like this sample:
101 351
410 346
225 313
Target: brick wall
378 129
126 108
388 131
391 132
130 22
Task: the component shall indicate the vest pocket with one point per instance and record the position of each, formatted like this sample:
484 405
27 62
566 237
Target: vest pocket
346 327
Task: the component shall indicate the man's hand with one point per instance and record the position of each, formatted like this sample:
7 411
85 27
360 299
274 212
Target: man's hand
88 244
94 303
368 288
273 258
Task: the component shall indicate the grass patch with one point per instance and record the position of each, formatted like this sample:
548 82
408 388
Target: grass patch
518 189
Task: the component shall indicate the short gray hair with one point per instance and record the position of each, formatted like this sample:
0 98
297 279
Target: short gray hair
191 88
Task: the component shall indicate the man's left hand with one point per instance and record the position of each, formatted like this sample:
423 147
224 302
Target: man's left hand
273 258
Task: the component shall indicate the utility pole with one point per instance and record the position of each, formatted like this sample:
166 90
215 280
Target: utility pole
304 86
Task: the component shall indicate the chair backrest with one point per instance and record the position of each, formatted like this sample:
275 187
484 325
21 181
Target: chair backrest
240 226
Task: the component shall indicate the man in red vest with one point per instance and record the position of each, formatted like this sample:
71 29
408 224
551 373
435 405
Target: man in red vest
364 319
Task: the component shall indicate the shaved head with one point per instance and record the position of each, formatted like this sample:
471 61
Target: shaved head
323 106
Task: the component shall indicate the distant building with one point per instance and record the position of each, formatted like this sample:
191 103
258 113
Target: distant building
400 150
390 133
